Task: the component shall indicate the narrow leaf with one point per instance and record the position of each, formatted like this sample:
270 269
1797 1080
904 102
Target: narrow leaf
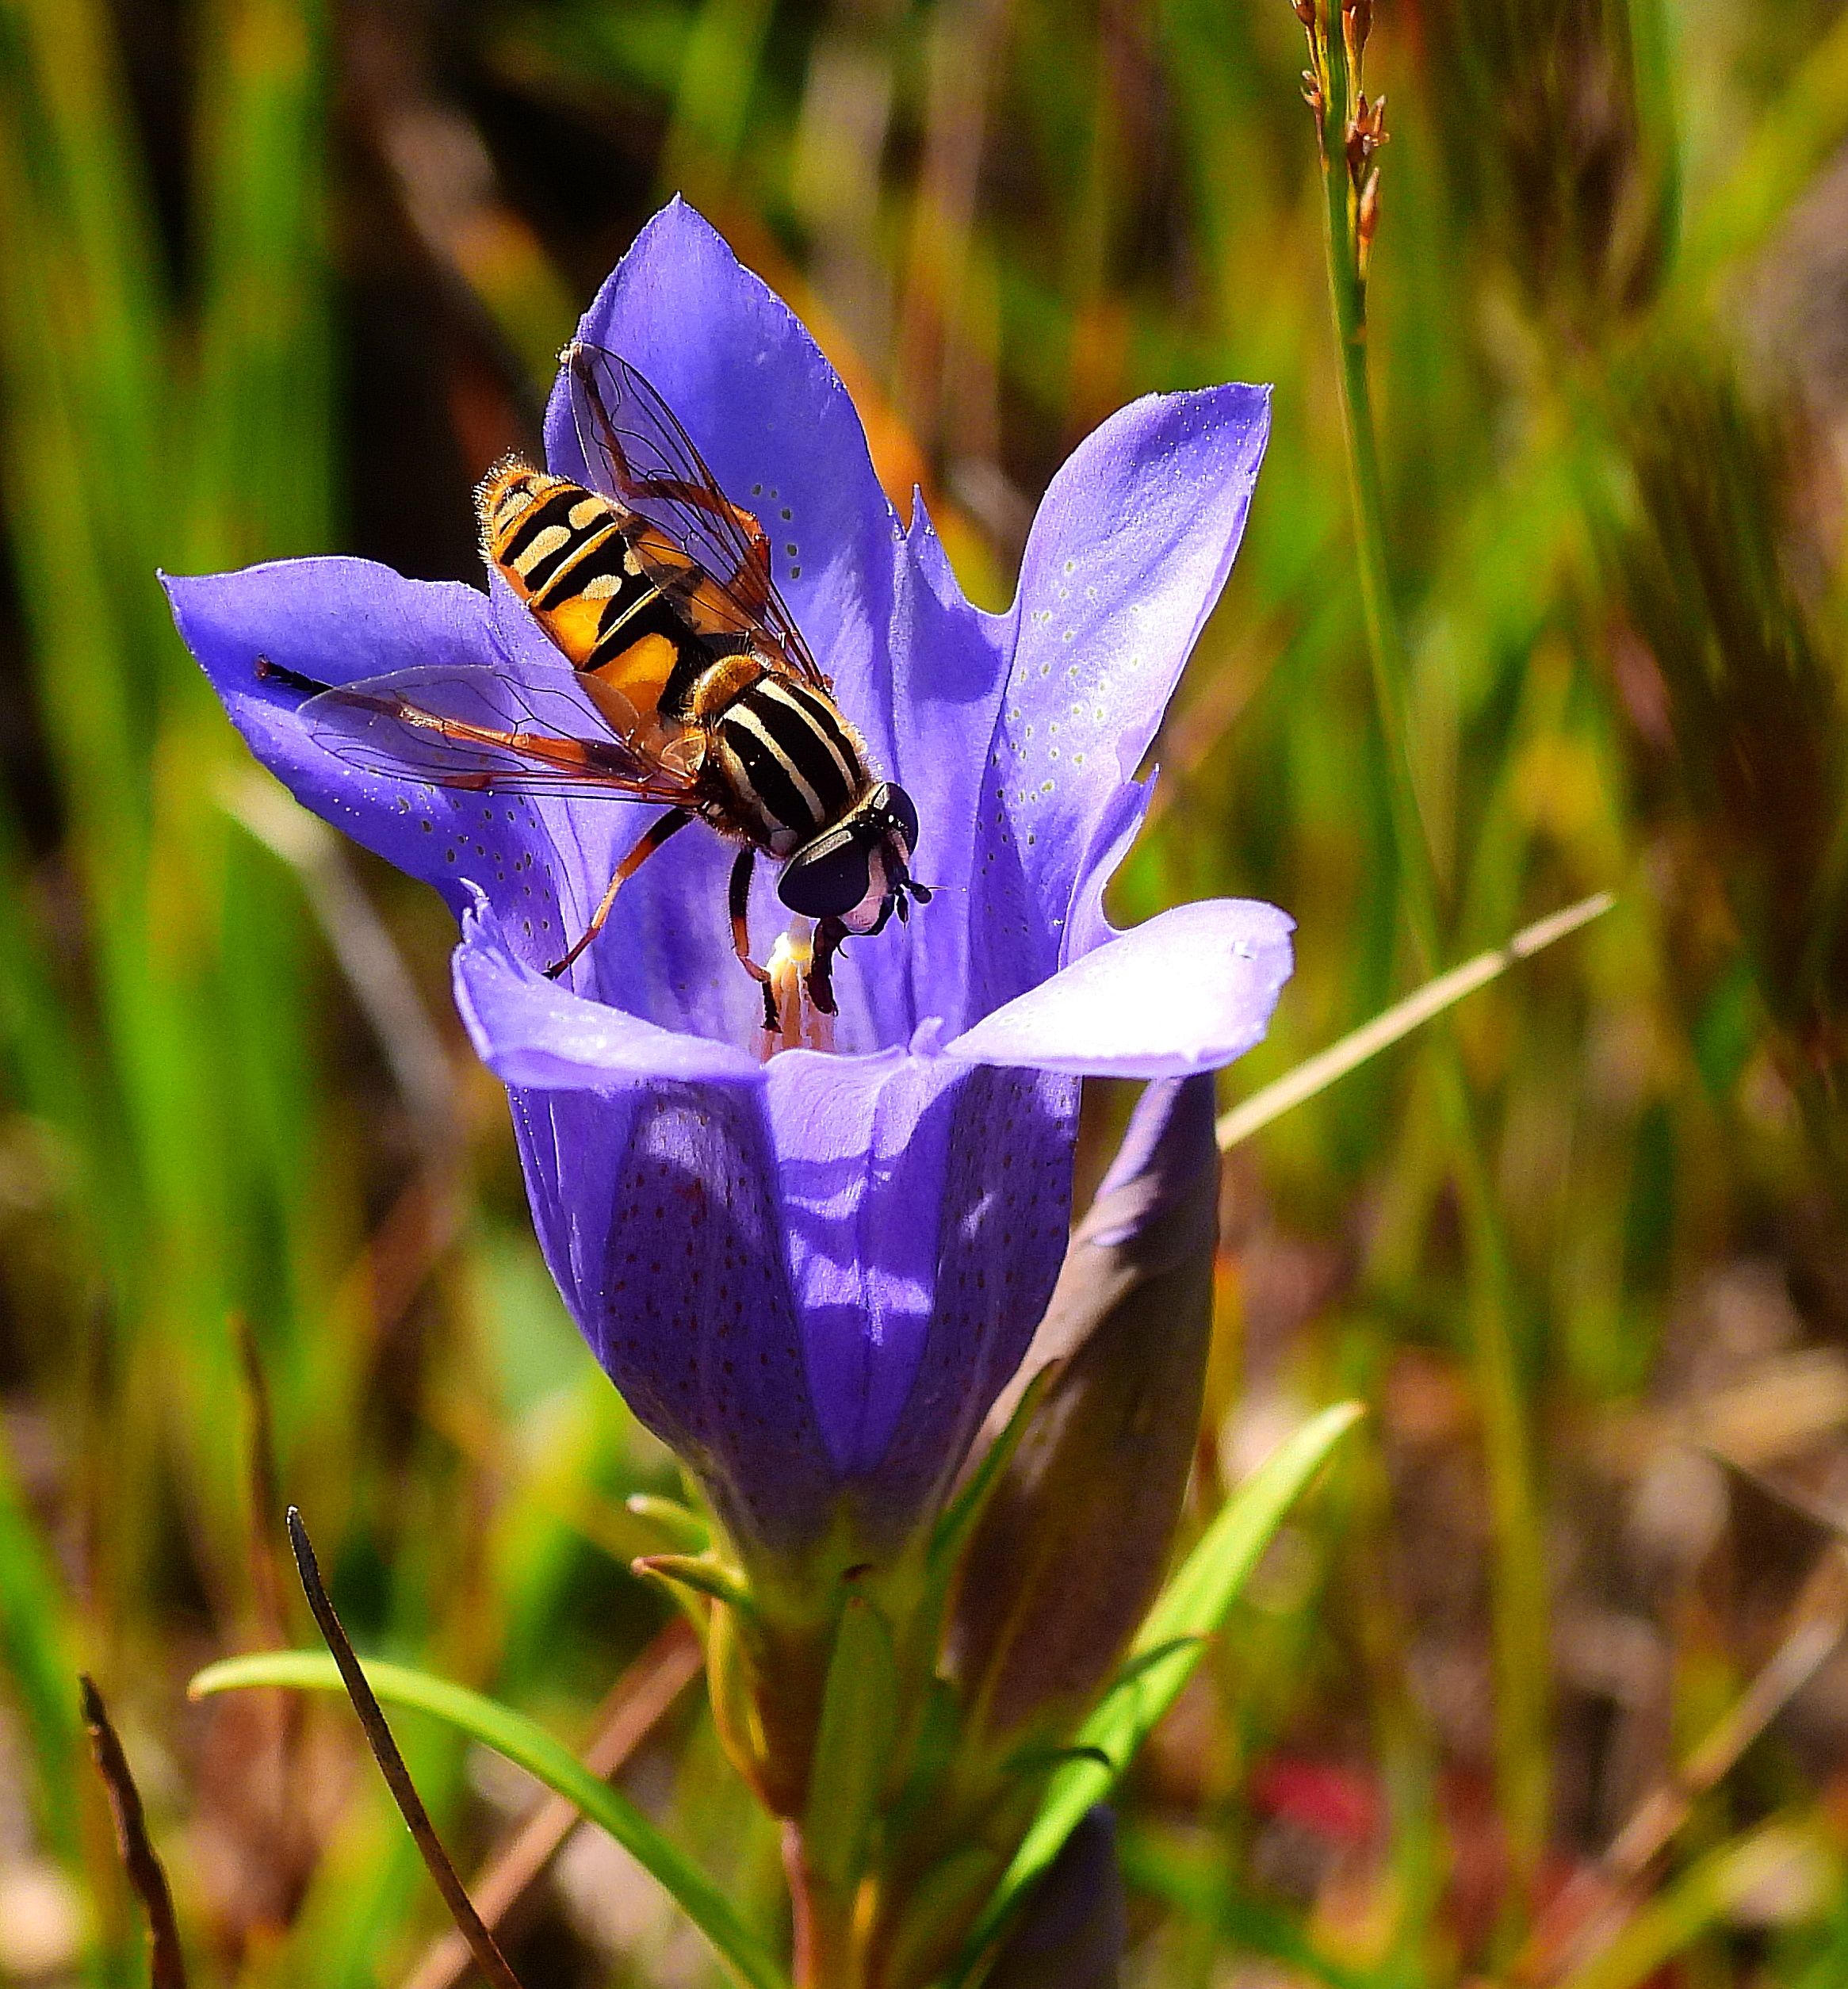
528 1745
1192 1607
683 1528
695 1574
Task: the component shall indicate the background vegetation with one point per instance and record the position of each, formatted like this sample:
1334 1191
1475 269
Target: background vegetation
1544 1688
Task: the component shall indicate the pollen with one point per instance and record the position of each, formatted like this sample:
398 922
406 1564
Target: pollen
800 1024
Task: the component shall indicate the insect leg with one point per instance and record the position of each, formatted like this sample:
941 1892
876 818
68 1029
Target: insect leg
740 907
820 978
662 826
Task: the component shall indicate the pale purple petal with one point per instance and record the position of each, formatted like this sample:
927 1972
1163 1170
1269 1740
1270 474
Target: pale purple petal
337 621
1126 559
657 1211
915 668
1190 990
1007 1199
531 1031
777 428
861 1146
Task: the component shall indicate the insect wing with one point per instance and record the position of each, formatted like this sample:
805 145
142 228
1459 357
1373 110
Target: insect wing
716 561
480 729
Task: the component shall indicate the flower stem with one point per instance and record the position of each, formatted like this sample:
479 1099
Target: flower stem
829 1954
1337 34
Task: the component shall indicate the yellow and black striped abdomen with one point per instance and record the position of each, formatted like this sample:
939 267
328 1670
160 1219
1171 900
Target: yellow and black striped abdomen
566 552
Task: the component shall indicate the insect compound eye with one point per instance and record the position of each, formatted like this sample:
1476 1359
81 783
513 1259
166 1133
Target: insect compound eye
830 877
890 800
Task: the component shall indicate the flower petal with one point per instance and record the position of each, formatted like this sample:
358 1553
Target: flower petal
914 668
1190 990
656 1210
531 1031
777 428
1005 1201
926 1207
542 861
1126 559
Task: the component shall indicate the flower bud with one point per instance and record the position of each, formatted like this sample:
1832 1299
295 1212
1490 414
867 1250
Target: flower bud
1070 1932
1073 1541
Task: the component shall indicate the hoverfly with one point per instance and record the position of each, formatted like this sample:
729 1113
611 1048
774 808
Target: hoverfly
697 690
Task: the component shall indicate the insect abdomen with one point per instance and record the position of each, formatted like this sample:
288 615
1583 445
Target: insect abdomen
565 550
790 758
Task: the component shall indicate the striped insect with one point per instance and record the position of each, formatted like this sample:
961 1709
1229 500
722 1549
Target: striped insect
691 685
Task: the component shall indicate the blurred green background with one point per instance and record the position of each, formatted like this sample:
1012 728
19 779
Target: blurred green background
280 277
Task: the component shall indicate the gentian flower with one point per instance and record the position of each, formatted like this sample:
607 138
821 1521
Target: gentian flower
812 1275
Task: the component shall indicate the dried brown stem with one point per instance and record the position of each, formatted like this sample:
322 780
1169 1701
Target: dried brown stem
264 1493
640 1700
1589 1913
482 1946
167 1963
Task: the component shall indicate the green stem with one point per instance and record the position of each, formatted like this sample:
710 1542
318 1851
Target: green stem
828 1956
1520 1603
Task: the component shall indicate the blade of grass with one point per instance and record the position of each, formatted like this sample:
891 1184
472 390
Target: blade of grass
482 1945
1700 1899
641 1699
547 1761
1518 1597
34 1645
1315 1074
1190 1608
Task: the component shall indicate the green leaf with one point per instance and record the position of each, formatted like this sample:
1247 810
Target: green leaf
35 1649
853 1749
1190 1608
547 1761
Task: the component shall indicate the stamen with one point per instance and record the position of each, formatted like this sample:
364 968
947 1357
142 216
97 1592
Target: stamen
800 1024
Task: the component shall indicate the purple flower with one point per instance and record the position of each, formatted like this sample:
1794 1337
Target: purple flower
812 1277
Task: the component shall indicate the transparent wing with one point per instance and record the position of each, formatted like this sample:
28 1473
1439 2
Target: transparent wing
478 729
715 558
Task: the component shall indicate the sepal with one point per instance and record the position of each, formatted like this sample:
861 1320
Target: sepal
680 1529
686 1577
855 1750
